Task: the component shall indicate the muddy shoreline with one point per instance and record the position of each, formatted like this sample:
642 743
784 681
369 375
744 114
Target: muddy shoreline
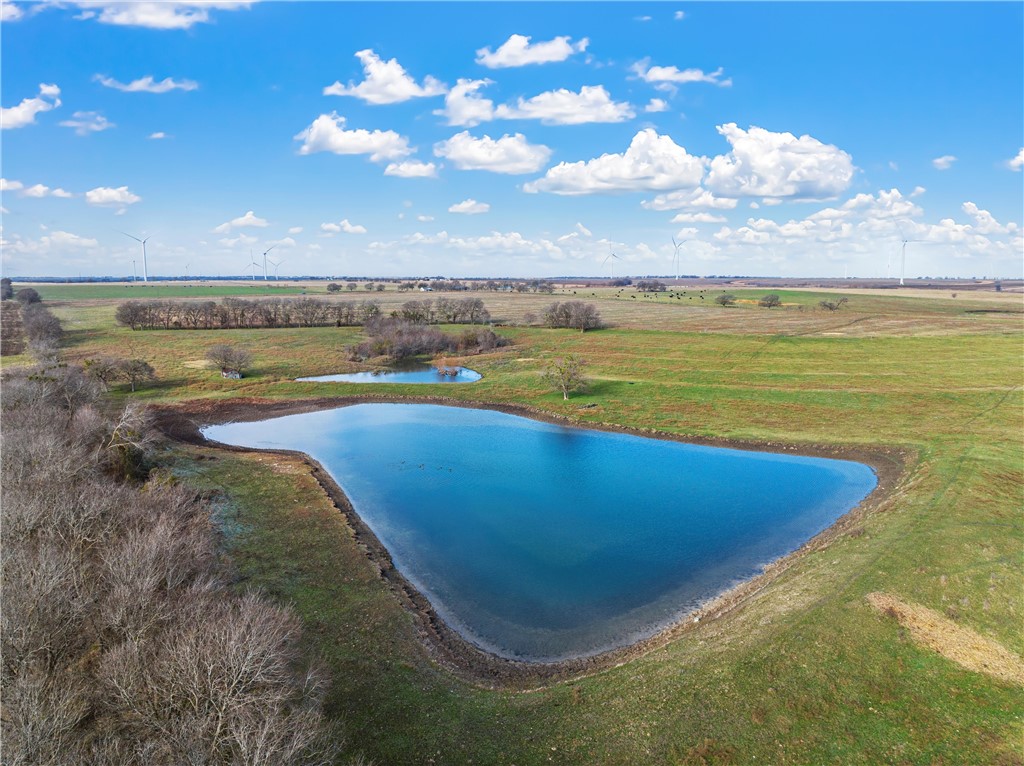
183 423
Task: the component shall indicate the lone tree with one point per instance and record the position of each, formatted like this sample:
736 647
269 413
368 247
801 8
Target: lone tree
231 360
770 301
137 371
566 374
333 287
726 299
836 305
27 295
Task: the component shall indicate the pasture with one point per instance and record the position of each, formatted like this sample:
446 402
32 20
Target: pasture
807 670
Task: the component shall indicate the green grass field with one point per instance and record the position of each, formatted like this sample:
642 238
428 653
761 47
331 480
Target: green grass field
806 672
151 290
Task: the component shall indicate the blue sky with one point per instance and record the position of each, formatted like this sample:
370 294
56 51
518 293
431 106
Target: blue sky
494 139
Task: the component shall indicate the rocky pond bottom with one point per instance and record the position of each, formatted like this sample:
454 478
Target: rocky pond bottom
543 543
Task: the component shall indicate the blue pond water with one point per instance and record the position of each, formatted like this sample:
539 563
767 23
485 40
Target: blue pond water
542 542
425 374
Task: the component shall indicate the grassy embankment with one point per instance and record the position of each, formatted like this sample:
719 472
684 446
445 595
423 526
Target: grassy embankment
808 671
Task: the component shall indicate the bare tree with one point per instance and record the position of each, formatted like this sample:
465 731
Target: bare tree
836 305
770 301
229 359
726 299
566 374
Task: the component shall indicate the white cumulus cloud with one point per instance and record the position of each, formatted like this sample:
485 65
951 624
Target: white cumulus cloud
411 169
327 134
767 164
25 112
85 123
652 162
424 218
698 218
519 51
155 14
672 76
509 154
295 230
249 219
985 222
656 105
564 107
158 135
10 12
469 207
1017 162
342 226
945 162
41 190
464 107
10 185
385 82
106 196
146 84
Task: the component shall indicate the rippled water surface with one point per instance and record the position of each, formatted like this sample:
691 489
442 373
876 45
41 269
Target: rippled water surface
543 542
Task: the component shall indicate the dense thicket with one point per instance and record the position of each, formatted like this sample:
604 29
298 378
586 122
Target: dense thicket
575 314
651 286
395 338
120 642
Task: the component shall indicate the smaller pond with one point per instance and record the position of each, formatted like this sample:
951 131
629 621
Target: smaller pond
424 374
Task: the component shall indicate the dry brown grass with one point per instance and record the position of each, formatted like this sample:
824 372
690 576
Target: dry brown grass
963 646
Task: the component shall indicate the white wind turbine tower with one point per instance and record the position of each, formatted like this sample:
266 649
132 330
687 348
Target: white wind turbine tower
145 264
903 253
611 254
276 265
265 261
675 255
252 265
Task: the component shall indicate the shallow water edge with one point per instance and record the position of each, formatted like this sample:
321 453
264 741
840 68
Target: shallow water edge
445 645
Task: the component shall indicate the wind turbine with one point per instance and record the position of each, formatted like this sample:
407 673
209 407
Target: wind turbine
265 261
145 265
675 256
186 270
133 271
611 254
252 264
903 253
276 265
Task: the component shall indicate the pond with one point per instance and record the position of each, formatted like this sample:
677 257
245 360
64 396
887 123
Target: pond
542 542
418 374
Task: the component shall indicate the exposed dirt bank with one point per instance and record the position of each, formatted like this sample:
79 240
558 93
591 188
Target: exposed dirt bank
184 421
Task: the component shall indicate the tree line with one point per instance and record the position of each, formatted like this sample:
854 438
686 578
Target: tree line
33 327
233 313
